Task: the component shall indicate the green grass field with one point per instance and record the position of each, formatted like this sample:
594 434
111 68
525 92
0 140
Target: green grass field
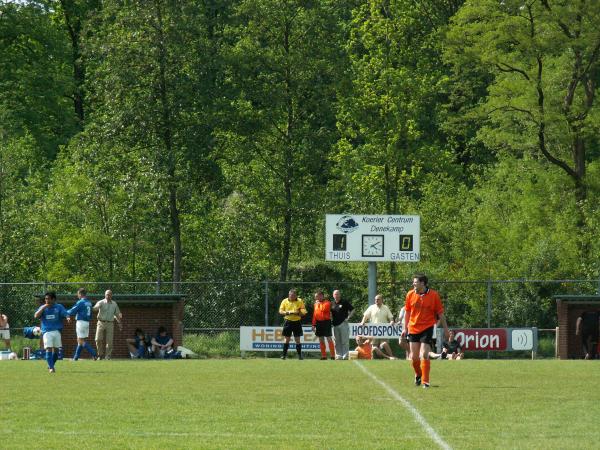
269 403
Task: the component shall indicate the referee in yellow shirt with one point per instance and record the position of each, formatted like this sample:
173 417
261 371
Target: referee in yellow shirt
292 309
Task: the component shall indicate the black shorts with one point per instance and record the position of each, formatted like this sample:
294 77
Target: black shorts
424 338
323 328
290 326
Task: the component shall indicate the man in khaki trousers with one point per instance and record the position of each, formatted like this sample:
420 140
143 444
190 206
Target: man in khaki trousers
108 312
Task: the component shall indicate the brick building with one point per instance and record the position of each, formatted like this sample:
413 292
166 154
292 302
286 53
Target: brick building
145 311
569 308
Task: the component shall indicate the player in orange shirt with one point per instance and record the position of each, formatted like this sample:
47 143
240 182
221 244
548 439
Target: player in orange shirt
364 348
321 323
423 309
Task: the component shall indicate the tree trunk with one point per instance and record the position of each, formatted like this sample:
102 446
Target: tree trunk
167 136
73 24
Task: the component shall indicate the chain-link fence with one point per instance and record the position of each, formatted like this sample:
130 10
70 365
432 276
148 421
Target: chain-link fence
221 305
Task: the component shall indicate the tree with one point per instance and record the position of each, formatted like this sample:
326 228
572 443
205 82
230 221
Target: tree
285 64
34 81
75 15
544 58
153 96
387 118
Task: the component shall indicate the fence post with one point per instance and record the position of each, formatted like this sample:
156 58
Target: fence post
489 303
489 308
266 303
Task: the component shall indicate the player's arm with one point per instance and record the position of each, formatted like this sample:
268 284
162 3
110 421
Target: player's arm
302 310
442 321
282 309
40 310
74 310
366 317
96 307
578 326
350 312
405 325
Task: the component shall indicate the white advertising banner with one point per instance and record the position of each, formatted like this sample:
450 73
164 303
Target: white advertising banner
270 339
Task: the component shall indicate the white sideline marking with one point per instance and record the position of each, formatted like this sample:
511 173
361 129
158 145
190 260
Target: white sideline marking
418 417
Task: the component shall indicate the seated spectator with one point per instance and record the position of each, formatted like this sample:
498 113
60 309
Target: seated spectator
162 343
137 345
366 350
452 349
5 330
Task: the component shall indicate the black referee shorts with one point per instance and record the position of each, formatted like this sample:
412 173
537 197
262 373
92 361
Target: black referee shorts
292 327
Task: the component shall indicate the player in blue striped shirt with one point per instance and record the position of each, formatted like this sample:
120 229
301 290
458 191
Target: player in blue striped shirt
52 315
82 310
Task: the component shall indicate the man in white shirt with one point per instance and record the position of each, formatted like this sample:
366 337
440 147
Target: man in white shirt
108 312
379 313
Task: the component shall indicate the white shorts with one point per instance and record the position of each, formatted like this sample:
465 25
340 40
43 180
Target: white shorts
5 333
82 328
52 339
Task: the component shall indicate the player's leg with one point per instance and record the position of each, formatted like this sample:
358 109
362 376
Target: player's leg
49 349
415 350
337 337
52 342
133 350
297 330
385 348
100 348
344 344
321 341
585 343
109 339
425 338
331 347
84 333
287 334
80 344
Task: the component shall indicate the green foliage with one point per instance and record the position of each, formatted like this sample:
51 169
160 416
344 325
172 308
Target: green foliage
221 345
218 134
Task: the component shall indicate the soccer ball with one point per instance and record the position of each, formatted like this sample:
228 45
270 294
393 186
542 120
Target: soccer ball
37 331
13 355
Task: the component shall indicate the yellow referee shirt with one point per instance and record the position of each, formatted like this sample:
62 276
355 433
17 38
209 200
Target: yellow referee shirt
291 310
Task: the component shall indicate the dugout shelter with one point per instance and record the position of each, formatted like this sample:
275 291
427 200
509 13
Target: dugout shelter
569 308
145 311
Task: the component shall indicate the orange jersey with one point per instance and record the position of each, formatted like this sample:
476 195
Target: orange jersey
365 351
322 311
424 310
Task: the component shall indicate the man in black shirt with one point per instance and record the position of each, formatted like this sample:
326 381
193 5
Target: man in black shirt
587 327
341 310
452 348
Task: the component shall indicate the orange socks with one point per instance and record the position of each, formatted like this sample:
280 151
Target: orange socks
425 366
323 349
416 366
332 349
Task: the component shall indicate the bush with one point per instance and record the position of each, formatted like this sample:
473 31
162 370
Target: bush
214 345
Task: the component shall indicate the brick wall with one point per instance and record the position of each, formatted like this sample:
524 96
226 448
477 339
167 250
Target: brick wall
145 312
569 345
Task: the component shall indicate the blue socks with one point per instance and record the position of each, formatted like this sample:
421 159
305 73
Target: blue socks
90 349
80 348
50 359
